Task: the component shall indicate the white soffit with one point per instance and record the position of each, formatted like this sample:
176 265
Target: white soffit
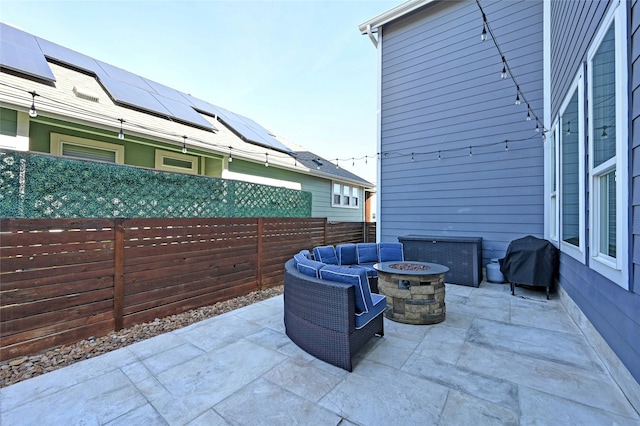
392 14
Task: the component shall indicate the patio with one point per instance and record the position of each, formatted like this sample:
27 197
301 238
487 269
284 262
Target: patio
496 359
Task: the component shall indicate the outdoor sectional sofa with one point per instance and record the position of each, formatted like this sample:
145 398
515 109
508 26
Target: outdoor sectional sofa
329 309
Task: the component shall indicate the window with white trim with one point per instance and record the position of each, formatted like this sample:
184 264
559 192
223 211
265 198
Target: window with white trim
571 172
345 196
88 149
176 162
553 183
606 64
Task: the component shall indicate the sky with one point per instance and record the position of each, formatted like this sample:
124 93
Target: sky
299 68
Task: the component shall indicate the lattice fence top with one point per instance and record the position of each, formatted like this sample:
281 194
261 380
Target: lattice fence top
40 186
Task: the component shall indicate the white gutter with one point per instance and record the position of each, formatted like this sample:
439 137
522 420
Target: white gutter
405 8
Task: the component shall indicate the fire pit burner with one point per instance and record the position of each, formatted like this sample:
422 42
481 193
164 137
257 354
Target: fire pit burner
409 267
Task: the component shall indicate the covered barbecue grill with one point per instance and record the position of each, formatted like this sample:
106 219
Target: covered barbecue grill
530 261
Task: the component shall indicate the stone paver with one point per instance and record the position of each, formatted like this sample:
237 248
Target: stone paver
495 360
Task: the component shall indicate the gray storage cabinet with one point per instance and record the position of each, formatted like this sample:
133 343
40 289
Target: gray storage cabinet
462 255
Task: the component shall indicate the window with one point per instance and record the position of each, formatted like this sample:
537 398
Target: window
553 184
85 148
590 199
608 149
176 162
345 196
571 162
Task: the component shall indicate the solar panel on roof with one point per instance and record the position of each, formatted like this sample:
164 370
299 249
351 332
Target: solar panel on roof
19 51
132 95
165 91
67 56
184 112
25 61
121 75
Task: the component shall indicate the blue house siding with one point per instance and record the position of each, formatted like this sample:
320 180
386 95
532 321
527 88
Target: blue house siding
575 21
635 141
441 94
612 310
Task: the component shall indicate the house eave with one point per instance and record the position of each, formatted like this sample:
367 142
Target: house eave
392 14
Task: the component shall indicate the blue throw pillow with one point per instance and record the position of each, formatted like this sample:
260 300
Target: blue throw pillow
390 251
355 276
347 254
326 254
308 266
367 252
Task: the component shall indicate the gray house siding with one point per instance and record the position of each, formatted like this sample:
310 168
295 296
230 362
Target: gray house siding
320 190
613 311
442 96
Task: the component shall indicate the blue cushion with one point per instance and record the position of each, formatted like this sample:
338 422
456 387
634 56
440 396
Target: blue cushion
355 276
367 252
379 304
369 268
347 254
308 266
326 254
304 253
390 251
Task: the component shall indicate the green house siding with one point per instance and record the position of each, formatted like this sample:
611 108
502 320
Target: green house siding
138 151
319 188
8 122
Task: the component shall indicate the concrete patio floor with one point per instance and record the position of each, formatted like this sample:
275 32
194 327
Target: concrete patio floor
497 359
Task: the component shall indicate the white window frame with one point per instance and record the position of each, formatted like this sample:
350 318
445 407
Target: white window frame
161 155
577 252
615 269
553 209
58 141
352 202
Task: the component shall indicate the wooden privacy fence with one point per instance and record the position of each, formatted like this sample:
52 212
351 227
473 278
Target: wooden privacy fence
64 280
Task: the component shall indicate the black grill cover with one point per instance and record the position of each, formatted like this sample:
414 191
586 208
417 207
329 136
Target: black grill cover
530 261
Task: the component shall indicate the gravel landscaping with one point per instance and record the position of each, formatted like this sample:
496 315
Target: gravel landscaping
22 368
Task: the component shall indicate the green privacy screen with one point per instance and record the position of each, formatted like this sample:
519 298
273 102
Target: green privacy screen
41 186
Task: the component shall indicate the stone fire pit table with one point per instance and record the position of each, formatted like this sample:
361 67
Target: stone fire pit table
414 291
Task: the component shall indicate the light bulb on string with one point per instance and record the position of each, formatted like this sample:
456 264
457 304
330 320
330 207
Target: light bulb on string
230 155
518 95
184 144
528 113
353 161
439 156
337 165
503 74
412 157
483 36
266 161
470 152
537 126
32 111
506 145
604 134
121 133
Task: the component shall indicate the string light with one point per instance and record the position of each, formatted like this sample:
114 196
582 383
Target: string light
337 165
537 127
506 70
439 156
184 144
230 155
353 161
412 158
483 36
266 161
121 133
32 111
604 134
470 152
506 145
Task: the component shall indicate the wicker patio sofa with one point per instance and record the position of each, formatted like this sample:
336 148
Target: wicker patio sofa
321 316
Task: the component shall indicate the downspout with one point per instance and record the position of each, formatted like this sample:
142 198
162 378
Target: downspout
371 37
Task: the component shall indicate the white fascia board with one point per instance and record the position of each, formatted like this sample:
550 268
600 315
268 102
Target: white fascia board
393 14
